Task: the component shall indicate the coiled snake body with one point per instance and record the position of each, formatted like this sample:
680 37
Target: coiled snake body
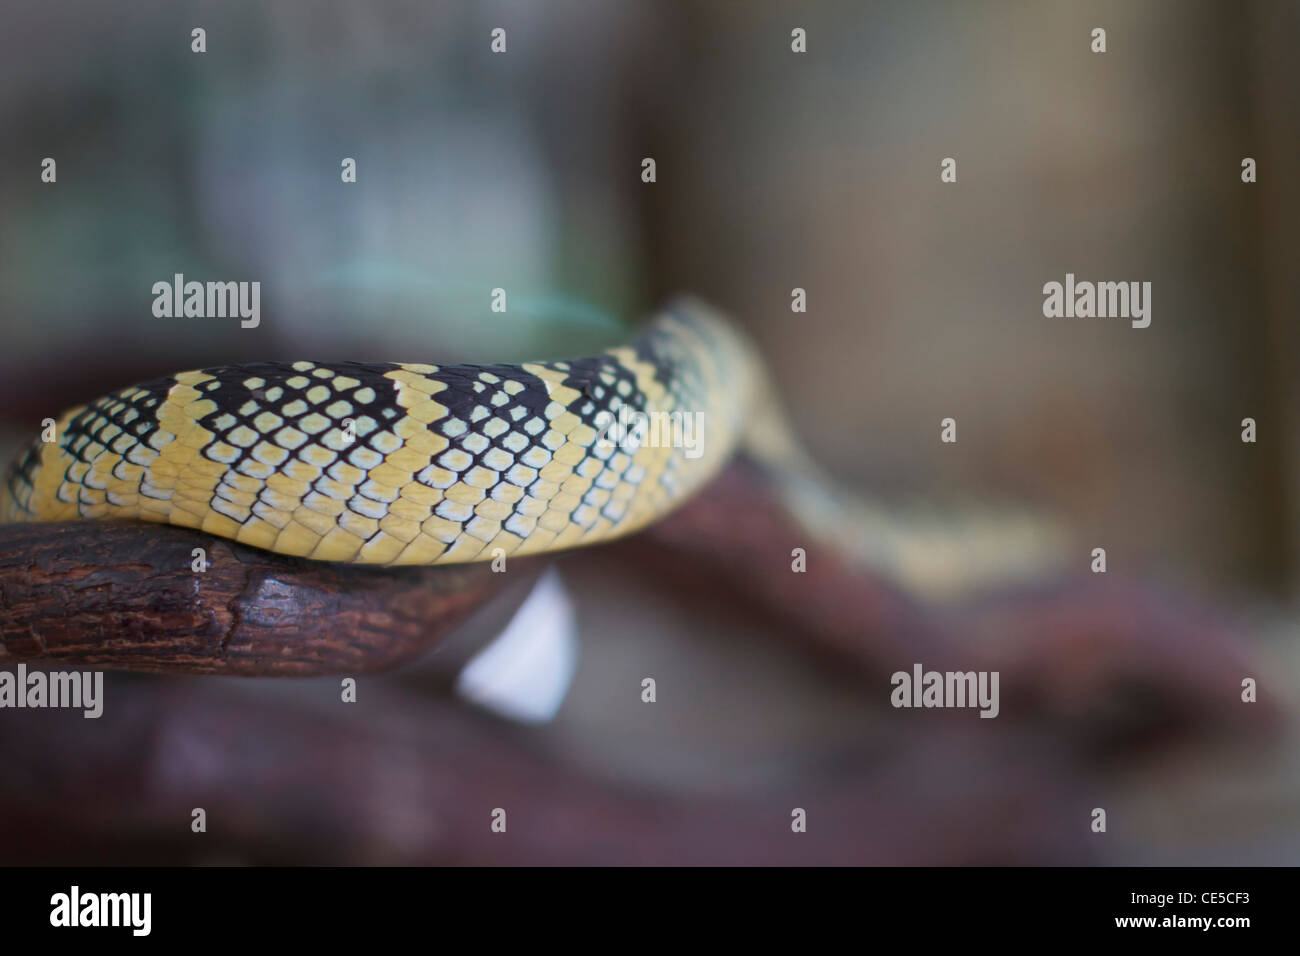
426 464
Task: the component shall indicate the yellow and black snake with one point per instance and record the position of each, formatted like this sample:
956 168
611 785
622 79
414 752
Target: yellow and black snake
394 463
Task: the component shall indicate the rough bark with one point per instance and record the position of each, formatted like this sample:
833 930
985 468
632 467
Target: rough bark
127 597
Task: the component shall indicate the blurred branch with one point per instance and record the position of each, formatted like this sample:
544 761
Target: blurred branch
414 780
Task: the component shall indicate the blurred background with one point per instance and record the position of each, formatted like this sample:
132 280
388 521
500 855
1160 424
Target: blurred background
775 170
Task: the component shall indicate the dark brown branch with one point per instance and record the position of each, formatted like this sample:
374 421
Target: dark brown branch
125 596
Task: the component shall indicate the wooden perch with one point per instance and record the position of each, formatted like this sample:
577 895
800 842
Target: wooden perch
126 596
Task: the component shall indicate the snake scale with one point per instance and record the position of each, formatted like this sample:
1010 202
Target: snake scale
398 464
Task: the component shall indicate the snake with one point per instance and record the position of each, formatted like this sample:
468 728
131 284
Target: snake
424 464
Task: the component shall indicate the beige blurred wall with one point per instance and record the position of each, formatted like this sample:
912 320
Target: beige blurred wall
925 299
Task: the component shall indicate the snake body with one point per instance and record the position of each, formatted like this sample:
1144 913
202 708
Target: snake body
398 464
402 463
